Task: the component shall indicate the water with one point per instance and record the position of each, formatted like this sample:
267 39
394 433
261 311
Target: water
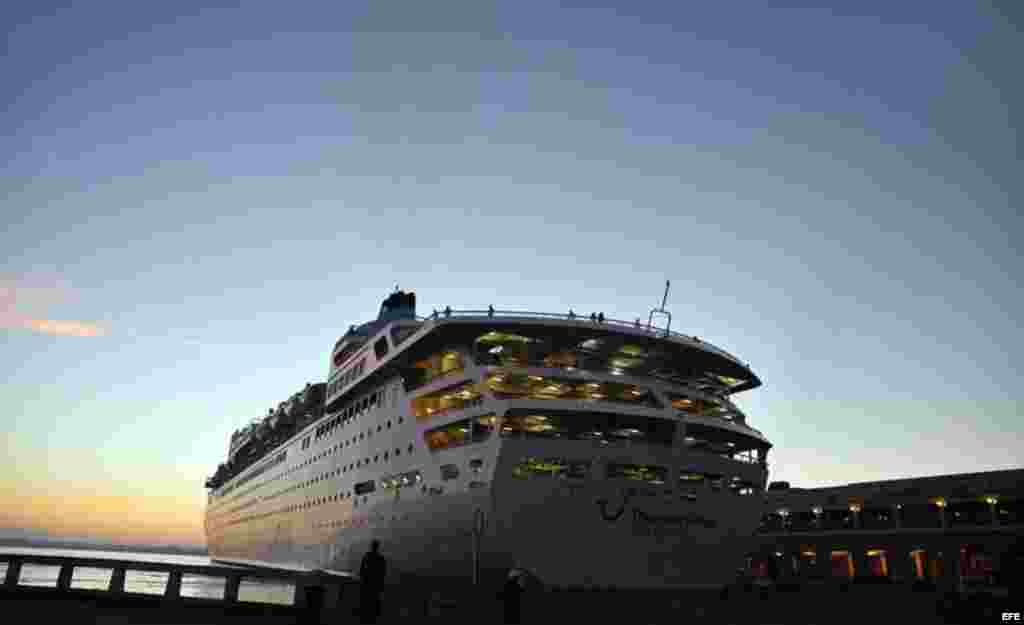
146 582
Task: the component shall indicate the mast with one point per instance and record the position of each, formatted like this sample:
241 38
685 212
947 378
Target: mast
661 311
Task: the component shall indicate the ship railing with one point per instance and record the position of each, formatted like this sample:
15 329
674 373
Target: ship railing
636 326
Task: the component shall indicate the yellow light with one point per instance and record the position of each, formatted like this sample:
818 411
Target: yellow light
991 500
940 502
854 507
536 378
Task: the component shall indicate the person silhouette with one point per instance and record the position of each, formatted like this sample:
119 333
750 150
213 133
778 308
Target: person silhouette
372 573
512 595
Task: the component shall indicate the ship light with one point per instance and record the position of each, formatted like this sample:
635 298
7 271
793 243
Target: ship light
617 371
496 350
535 378
991 500
596 396
816 510
636 392
594 385
940 502
854 507
783 512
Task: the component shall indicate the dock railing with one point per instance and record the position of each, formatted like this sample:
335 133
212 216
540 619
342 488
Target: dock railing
326 589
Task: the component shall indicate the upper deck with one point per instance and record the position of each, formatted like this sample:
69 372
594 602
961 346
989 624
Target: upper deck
622 347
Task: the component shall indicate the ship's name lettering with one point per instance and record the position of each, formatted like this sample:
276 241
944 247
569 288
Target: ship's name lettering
683 521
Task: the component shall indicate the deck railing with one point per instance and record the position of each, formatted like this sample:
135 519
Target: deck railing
585 320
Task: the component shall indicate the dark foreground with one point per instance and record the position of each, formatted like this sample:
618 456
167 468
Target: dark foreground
864 605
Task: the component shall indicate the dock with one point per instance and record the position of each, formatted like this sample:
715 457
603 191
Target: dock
319 597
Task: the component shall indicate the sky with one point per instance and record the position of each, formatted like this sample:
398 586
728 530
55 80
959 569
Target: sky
197 202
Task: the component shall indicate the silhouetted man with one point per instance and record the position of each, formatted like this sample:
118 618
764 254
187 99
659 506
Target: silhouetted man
512 595
371 578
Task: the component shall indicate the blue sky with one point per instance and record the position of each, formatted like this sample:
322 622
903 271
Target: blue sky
834 192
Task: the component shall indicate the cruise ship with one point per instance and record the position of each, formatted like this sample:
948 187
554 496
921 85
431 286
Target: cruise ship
587 451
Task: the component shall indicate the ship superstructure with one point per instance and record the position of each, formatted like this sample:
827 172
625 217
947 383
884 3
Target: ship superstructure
588 451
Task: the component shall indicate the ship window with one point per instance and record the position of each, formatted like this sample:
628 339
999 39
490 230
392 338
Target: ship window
456 397
589 426
460 433
515 386
552 467
380 348
434 367
449 472
364 487
651 474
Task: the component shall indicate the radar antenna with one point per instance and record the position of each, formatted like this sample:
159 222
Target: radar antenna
661 311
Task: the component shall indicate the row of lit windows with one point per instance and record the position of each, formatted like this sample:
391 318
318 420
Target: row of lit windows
387 455
689 481
597 354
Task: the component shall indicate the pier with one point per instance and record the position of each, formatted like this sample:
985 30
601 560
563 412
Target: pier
320 597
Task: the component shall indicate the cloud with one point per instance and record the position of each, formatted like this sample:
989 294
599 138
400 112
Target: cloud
27 292
63 328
